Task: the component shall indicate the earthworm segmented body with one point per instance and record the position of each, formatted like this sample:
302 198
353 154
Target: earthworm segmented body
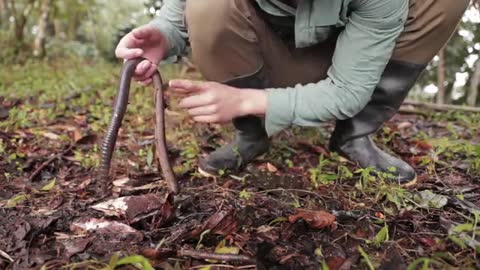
116 121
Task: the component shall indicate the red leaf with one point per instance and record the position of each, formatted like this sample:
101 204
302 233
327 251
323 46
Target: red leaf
316 219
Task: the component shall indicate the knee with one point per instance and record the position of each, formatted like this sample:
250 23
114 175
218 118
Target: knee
207 22
215 24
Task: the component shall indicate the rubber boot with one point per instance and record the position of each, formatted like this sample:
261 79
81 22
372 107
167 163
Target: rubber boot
251 139
352 137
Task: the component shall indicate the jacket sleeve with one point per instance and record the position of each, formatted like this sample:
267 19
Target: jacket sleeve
171 22
362 52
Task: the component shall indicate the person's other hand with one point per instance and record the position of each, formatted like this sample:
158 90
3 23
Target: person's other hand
211 102
146 42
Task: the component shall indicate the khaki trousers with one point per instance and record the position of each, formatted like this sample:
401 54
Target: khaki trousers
230 38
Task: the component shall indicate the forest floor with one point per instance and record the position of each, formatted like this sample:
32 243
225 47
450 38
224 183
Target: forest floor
297 207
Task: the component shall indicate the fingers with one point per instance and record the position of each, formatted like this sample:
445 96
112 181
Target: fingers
146 73
141 69
127 48
186 86
124 52
203 111
207 119
196 101
143 32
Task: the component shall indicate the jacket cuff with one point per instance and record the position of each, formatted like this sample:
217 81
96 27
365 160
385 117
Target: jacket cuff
280 113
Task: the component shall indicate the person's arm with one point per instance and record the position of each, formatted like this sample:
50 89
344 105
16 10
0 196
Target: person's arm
171 22
361 55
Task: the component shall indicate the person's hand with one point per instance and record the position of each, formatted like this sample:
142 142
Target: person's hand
146 42
211 102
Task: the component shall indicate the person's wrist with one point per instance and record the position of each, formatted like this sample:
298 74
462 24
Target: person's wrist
253 102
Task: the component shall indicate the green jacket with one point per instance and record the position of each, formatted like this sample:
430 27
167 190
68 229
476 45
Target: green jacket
363 50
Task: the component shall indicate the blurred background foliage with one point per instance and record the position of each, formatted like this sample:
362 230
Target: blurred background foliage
50 30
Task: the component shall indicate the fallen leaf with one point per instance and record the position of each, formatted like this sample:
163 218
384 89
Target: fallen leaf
51 135
132 207
158 254
86 140
429 242
271 168
76 246
22 230
15 200
423 145
426 199
136 208
222 248
316 219
50 185
222 222
315 148
113 229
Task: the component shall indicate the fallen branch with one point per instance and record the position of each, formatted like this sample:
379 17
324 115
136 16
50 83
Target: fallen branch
213 256
46 163
407 110
442 107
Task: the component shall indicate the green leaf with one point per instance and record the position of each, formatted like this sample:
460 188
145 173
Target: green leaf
223 249
14 201
381 236
278 220
325 266
50 185
466 227
457 241
245 195
141 261
150 157
417 262
366 258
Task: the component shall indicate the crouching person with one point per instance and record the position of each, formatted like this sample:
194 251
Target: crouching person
271 64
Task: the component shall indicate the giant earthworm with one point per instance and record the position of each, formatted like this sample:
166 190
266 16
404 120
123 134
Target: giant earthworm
116 120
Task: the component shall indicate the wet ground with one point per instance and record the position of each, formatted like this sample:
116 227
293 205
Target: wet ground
298 207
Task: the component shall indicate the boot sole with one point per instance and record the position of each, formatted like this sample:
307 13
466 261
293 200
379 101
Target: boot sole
206 174
410 183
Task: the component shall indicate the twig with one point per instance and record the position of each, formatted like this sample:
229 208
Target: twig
442 107
6 256
406 110
213 256
46 163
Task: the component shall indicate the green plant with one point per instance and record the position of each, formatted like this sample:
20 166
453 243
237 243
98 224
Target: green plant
319 175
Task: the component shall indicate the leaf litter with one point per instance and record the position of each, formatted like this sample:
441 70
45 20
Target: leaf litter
267 218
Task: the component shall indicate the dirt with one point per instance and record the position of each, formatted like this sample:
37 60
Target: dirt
271 216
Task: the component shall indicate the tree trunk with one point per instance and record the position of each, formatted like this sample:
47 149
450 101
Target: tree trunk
474 85
20 20
39 43
441 77
3 12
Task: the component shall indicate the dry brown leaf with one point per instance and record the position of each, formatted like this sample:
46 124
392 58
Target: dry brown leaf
136 208
106 227
222 222
271 168
316 219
